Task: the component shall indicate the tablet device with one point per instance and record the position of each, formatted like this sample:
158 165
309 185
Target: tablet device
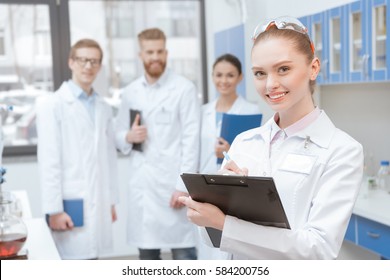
254 199
133 113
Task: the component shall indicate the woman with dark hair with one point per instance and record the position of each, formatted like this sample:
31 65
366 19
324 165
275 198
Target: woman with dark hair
227 74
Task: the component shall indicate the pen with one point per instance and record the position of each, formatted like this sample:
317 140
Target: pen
232 165
225 154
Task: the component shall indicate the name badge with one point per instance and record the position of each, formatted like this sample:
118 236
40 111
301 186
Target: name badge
298 163
163 117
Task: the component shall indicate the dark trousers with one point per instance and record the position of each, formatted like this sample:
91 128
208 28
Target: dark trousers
177 254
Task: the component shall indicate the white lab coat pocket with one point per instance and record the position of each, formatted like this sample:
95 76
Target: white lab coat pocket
298 163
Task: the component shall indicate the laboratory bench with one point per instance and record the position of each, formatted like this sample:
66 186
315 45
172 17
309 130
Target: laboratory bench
369 226
39 243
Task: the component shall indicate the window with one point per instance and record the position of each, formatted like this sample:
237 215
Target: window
2 46
36 35
123 20
26 69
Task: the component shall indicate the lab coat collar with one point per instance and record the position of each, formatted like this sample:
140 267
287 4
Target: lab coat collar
236 107
79 92
161 81
320 131
67 95
210 108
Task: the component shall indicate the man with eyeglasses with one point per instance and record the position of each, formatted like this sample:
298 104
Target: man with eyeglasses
77 159
169 135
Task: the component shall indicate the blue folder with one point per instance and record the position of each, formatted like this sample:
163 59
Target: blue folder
232 125
75 209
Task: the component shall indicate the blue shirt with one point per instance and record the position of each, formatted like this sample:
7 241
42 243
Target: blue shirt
87 101
218 119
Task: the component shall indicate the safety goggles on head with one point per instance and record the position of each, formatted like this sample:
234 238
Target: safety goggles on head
282 23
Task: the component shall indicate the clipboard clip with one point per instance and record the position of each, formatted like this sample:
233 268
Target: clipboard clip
239 181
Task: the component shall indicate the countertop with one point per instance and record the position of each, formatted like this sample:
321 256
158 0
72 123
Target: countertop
374 205
39 244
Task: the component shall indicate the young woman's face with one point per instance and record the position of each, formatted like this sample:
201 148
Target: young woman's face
226 78
282 75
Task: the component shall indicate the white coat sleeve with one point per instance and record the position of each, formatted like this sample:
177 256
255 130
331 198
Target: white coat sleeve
323 232
112 162
190 133
49 153
122 126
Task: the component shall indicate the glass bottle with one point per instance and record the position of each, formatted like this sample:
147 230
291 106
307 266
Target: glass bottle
369 179
383 176
13 232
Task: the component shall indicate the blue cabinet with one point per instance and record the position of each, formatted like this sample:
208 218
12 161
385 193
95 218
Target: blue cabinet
352 42
368 43
336 44
328 31
357 60
373 236
350 235
369 234
318 30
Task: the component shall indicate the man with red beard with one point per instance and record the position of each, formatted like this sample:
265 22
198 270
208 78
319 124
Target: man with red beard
167 128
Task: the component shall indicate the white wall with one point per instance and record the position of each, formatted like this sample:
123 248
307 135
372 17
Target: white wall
362 110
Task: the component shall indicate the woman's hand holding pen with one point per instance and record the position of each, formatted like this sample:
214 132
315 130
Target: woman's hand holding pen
231 168
137 133
203 214
220 146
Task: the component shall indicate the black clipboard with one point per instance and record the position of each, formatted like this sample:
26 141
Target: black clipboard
253 199
133 113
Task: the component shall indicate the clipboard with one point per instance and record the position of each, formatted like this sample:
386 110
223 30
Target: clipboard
254 199
133 113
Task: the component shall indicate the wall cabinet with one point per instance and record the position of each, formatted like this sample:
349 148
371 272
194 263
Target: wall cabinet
368 44
352 42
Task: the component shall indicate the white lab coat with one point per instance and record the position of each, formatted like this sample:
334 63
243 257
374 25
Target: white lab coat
171 113
318 203
77 159
208 160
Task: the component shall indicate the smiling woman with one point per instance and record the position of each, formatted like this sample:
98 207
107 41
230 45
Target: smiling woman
318 199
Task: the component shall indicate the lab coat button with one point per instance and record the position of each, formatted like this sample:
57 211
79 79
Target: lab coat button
264 173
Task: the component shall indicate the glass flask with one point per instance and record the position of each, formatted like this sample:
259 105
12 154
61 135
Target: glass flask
13 232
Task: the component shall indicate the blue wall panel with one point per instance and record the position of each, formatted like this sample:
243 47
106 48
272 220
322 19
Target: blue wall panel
232 41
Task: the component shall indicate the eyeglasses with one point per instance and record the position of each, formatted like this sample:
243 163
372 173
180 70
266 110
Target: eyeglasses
82 61
282 23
